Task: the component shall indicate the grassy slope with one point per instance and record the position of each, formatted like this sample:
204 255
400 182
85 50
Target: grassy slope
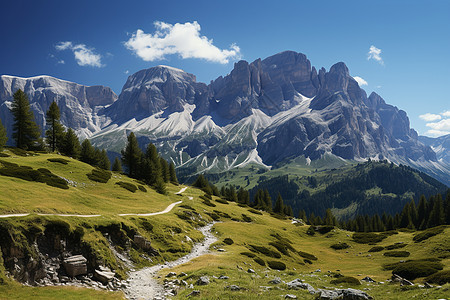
169 232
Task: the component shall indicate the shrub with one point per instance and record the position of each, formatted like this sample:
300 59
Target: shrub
254 211
282 246
58 160
265 251
426 234
376 249
128 186
246 218
146 225
397 253
323 229
223 201
208 196
368 237
19 152
142 188
222 214
259 261
276 265
248 254
187 207
207 202
228 241
415 269
213 216
346 280
307 255
435 262
340 246
99 175
310 231
242 205
4 154
396 246
441 277
307 261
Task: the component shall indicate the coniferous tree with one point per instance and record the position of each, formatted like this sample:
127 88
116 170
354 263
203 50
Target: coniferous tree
160 186
288 211
71 146
447 208
267 201
414 214
279 205
55 133
164 169
3 135
104 162
243 196
117 166
329 218
233 195
173 174
436 216
87 152
421 212
25 130
302 215
131 155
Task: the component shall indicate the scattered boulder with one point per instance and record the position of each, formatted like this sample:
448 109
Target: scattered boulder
276 280
75 265
290 296
171 274
328 295
203 280
251 271
104 276
352 294
298 284
142 242
194 293
223 277
233 287
403 281
368 279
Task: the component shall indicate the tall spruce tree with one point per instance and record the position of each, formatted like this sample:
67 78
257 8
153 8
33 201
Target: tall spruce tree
87 152
55 133
71 146
104 162
25 130
164 169
131 155
279 205
173 174
117 166
3 135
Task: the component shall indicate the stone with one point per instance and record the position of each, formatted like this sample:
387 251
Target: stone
352 294
368 279
104 276
276 280
328 295
233 287
182 274
223 277
171 274
75 265
194 293
203 280
290 296
251 271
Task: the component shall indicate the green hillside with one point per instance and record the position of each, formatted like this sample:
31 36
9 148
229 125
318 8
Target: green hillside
247 239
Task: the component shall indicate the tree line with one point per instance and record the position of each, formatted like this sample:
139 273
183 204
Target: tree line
149 167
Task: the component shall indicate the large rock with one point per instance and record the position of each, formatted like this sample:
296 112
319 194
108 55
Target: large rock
75 265
203 280
104 276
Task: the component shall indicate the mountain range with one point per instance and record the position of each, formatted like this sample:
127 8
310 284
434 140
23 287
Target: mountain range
265 112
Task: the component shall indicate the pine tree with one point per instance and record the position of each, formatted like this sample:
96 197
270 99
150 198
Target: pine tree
3 136
447 208
55 132
160 186
131 155
422 212
117 166
233 195
173 174
437 216
25 130
164 169
302 215
329 218
414 214
267 201
288 211
71 145
243 196
87 152
104 162
279 205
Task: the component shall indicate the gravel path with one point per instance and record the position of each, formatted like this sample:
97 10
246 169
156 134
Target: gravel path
143 284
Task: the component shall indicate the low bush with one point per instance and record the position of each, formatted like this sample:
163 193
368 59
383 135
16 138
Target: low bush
4 154
242 205
340 246
376 249
396 246
307 261
208 196
228 241
213 216
276 265
346 280
434 262
142 188
58 160
146 225
99 175
246 218
310 231
441 277
19 152
282 246
307 255
128 186
187 207
259 261
222 214
397 254
265 251
323 229
208 202
254 211
368 237
415 269
426 234
248 254
223 201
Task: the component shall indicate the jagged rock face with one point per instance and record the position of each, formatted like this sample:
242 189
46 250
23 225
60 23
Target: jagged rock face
78 104
440 145
157 89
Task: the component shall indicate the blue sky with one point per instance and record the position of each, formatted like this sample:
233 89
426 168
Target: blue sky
98 43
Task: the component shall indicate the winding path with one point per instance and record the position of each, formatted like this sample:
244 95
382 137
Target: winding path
165 211
142 283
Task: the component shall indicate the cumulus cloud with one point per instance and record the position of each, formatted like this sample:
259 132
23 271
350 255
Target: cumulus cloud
446 113
360 81
182 39
430 117
439 128
84 56
375 54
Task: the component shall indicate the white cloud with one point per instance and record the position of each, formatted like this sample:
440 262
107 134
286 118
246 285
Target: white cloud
61 62
127 72
84 56
375 53
182 39
436 133
446 113
442 125
430 117
360 81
